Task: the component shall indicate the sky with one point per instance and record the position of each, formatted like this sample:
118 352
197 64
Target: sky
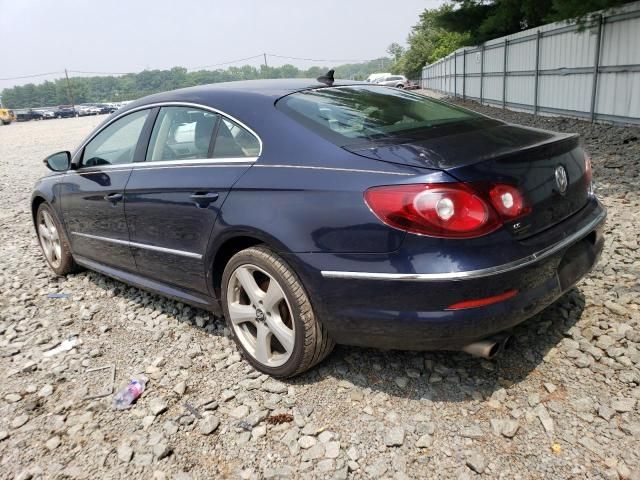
41 36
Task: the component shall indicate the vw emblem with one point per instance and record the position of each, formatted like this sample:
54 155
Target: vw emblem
561 179
259 315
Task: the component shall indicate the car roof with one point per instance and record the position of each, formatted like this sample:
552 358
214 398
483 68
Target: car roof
218 94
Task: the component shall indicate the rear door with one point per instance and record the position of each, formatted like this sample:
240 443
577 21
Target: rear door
173 198
92 195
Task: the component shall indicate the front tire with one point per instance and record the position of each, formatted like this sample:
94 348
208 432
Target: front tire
270 316
53 242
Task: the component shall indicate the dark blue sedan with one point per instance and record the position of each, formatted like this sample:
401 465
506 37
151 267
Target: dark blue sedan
317 212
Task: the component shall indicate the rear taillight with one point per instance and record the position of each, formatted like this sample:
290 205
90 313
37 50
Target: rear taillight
448 210
508 201
588 174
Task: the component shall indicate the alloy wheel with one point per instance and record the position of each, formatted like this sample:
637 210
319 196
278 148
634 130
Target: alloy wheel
260 315
50 239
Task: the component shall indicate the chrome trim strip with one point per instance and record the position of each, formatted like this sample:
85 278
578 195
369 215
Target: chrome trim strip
471 274
334 169
181 253
204 162
167 104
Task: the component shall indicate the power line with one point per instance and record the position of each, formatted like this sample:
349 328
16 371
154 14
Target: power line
317 59
202 67
31 76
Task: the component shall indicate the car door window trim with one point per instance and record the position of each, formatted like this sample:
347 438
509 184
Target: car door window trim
181 253
78 153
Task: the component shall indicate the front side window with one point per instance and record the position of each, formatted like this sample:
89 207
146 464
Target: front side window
117 143
234 141
360 114
181 133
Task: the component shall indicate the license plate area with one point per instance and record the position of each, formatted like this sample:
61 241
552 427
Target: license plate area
577 261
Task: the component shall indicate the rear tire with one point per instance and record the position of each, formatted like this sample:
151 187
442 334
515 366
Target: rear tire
263 299
53 242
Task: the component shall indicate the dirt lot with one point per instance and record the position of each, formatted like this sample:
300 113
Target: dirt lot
562 403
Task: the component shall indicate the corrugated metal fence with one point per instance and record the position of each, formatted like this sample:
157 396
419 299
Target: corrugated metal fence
590 71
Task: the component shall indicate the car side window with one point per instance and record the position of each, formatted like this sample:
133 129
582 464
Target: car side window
233 140
117 143
181 133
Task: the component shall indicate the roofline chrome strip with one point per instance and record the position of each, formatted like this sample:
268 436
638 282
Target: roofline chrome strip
471 274
333 169
181 253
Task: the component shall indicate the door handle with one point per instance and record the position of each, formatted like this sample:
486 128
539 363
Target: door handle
113 197
203 199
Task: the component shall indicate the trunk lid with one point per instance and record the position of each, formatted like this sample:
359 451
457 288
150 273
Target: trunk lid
533 160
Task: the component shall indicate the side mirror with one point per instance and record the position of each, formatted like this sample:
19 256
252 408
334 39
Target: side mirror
58 162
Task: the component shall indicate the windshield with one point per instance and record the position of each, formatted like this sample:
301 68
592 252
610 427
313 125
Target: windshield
348 115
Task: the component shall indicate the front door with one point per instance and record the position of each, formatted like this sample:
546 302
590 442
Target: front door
174 197
92 194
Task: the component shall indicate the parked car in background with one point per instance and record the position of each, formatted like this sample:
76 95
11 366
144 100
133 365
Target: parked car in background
47 113
320 212
376 76
397 81
105 108
26 114
87 109
66 111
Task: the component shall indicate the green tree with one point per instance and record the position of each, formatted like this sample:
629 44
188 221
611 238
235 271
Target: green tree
395 50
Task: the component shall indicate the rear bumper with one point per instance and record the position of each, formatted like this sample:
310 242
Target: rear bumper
408 310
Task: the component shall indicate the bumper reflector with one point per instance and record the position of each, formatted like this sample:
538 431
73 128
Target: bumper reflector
483 302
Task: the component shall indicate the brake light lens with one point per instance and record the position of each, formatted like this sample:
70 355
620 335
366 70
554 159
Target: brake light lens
588 173
445 210
508 201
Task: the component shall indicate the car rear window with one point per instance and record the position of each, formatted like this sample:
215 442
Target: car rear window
361 113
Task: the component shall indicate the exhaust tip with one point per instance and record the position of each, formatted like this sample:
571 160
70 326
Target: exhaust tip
489 347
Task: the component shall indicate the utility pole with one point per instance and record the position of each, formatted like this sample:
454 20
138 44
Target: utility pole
69 89
265 60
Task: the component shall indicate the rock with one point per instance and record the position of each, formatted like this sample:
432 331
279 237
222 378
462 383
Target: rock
326 465
240 411
615 308
157 406
19 421
125 453
394 437
259 431
622 405
332 449
402 382
473 431
180 388
326 436
208 425
13 397
3 435
510 428
227 395
424 441
476 462
162 450
256 417
545 419
46 391
53 443
313 453
377 470
606 412
273 386
307 441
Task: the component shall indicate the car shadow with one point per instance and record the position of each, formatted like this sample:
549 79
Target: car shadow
452 376
433 376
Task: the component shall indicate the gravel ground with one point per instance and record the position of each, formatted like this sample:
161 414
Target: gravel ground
562 403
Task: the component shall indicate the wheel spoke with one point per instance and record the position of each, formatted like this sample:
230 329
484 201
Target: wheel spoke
273 296
241 313
47 220
263 348
44 232
245 277
57 250
283 333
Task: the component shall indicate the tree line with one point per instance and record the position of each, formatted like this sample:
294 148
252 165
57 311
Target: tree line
135 85
461 23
